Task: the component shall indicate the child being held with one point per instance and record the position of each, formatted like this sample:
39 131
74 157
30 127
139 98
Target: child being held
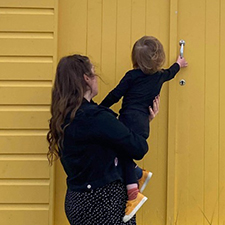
139 87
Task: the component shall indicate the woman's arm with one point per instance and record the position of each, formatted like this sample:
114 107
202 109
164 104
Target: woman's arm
109 130
115 133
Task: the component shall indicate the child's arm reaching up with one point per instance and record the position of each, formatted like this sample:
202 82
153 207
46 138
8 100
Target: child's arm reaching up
170 73
118 92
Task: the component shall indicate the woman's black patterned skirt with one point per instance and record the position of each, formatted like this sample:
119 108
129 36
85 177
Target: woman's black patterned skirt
105 205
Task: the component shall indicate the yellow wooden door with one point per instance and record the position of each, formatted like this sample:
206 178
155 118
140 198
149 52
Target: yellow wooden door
106 30
27 60
196 159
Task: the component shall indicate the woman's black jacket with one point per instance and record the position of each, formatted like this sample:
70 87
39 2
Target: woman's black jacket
94 146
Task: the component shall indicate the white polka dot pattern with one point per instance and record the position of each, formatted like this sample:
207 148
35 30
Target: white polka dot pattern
103 206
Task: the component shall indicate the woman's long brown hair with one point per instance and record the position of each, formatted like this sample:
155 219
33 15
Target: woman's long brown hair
67 95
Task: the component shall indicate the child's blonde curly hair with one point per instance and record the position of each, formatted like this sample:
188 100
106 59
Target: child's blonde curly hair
148 55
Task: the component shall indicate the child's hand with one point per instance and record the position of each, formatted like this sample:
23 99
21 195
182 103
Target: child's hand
182 62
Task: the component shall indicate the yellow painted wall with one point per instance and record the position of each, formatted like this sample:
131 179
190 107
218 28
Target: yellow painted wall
187 138
27 61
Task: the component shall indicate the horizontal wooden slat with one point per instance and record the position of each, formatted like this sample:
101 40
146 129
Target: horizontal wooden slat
24 193
32 45
24 119
22 144
26 70
25 3
23 217
25 95
26 22
24 168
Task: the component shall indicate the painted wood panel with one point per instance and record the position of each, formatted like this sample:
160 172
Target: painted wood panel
72 21
23 167
29 44
28 215
221 126
27 4
25 192
28 38
27 20
26 68
157 24
24 118
23 142
30 94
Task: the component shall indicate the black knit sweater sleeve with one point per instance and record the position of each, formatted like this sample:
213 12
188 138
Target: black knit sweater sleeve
170 73
118 92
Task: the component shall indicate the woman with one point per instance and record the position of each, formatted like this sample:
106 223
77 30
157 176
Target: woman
91 144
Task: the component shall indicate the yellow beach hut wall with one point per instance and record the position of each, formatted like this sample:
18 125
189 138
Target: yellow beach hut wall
186 145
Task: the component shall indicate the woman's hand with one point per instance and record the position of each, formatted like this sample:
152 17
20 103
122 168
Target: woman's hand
155 110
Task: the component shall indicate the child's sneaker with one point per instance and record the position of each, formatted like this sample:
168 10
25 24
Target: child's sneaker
142 183
133 206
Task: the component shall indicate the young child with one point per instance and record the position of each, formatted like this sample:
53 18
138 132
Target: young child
139 87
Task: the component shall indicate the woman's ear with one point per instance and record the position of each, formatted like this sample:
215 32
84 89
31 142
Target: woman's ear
86 78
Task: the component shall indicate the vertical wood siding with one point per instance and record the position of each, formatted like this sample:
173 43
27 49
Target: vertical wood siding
106 32
196 123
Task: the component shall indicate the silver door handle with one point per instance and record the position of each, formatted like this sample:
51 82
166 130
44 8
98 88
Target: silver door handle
182 43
